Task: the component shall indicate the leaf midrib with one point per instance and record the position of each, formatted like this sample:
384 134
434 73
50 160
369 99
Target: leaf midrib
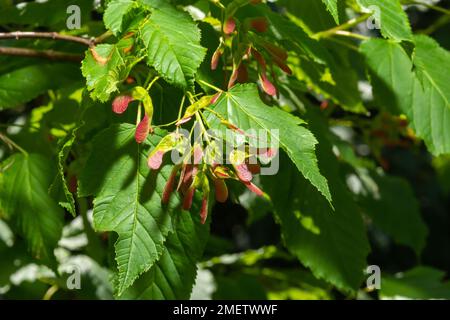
133 234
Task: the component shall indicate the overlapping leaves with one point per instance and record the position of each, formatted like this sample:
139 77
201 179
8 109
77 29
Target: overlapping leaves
128 200
24 198
243 108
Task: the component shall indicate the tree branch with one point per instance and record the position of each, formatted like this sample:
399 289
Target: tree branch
47 54
46 35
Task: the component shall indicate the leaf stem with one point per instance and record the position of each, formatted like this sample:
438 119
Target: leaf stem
152 82
180 109
349 34
200 121
209 85
10 143
166 124
218 3
345 26
218 115
103 37
50 292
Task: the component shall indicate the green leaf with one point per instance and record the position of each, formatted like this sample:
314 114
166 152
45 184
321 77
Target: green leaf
24 84
173 44
24 198
336 81
311 14
67 201
51 14
423 95
305 45
419 283
173 275
115 12
333 244
105 71
391 204
332 6
128 199
242 107
430 114
393 21
319 63
390 72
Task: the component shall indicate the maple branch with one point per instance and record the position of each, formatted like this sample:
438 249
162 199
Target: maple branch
46 35
47 54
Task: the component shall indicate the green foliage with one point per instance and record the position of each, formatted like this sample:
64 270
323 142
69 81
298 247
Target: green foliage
360 116
173 275
129 202
175 55
331 243
24 199
242 107
332 6
27 83
418 283
431 95
392 19
390 74
389 201
115 12
105 70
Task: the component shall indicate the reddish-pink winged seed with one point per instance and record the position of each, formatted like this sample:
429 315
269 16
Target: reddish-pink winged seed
283 66
221 172
204 209
215 98
230 26
267 86
253 188
189 174
243 172
267 153
276 51
260 59
242 74
221 190
188 197
183 121
215 59
233 78
168 188
155 161
198 154
254 168
120 104
260 24
142 130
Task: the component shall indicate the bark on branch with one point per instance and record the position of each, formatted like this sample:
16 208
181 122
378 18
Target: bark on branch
47 54
46 35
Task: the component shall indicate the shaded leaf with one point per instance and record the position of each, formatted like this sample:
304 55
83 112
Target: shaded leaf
128 199
333 244
242 107
24 199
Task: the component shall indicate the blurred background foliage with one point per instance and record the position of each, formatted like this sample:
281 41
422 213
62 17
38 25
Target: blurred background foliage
245 257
